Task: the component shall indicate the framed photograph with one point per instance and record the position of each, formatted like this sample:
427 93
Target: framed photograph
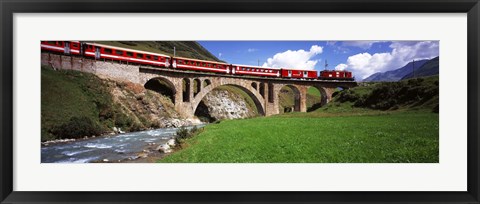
256 102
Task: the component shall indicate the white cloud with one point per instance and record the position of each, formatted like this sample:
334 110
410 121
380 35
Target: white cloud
296 59
252 50
341 67
220 54
366 64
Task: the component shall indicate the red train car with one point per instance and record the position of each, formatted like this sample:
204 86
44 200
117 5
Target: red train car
65 47
239 69
299 74
336 75
100 51
200 65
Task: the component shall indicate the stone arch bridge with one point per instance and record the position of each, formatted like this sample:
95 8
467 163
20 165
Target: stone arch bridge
188 88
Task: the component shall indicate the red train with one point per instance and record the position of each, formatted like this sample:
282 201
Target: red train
336 75
101 51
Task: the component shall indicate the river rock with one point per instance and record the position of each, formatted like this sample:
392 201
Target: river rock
171 142
164 148
143 155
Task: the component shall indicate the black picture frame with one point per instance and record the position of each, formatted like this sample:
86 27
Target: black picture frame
10 7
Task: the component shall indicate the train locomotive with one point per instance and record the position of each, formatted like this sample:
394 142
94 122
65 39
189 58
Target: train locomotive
107 52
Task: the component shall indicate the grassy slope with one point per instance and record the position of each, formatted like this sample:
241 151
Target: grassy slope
338 132
66 94
401 137
190 49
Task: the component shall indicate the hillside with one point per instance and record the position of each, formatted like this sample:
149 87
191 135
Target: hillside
430 68
412 94
190 49
397 74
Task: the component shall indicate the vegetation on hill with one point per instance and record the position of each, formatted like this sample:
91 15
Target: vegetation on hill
418 93
189 49
71 104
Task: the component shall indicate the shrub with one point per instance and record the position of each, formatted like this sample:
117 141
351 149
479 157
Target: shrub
77 127
193 130
183 133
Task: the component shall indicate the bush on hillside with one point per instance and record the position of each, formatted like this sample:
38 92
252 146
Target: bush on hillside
77 127
390 95
348 96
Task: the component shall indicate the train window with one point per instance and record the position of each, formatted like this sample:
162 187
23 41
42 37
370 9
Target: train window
130 54
155 57
107 50
75 45
147 56
139 55
204 64
51 42
180 62
59 43
118 52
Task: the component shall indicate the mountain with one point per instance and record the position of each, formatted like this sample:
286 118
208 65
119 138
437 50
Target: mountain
397 74
189 49
430 68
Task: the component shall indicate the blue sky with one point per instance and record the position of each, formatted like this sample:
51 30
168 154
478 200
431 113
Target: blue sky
363 58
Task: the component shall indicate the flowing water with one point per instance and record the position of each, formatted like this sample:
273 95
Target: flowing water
116 148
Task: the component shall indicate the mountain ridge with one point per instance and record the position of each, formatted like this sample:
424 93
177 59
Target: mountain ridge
396 74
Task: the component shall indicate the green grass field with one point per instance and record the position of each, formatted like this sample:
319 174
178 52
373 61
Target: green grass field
395 137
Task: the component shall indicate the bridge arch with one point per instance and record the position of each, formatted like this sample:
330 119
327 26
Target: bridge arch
206 82
297 97
256 97
327 93
186 90
254 85
323 98
197 86
163 86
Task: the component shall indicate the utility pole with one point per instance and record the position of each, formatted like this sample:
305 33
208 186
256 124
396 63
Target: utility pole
174 51
258 62
326 64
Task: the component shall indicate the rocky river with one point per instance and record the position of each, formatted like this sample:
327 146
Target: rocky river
125 147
